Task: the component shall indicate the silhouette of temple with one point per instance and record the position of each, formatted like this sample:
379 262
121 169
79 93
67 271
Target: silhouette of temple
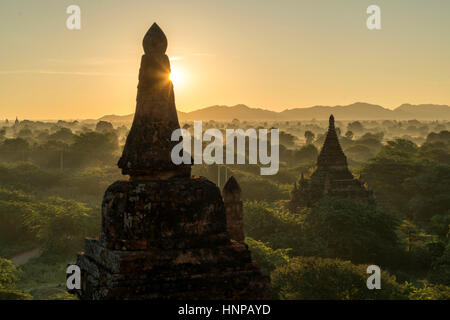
331 177
231 194
164 232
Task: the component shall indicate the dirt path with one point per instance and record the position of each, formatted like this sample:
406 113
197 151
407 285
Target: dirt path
23 258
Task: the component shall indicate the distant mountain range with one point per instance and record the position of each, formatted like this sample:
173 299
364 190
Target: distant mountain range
355 111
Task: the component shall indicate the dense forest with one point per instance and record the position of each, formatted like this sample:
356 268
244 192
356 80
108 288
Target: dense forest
53 176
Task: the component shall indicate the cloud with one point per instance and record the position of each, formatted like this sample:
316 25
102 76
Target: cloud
91 61
74 73
203 54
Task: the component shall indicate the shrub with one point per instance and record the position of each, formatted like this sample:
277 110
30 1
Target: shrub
268 258
318 279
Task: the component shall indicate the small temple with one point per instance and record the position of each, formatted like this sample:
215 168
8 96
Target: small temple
166 234
331 177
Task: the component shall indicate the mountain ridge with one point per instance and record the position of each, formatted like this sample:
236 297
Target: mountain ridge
354 111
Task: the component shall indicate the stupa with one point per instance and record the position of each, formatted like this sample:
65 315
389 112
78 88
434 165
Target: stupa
164 232
331 177
231 194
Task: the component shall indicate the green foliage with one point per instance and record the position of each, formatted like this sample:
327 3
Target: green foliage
427 193
13 206
56 223
8 274
440 272
63 135
286 139
14 150
309 136
359 152
355 231
254 187
12 294
317 279
307 153
93 148
60 224
274 226
45 276
8 278
26 176
428 292
268 258
410 180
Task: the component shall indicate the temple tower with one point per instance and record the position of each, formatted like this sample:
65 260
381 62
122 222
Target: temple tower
233 207
164 232
331 177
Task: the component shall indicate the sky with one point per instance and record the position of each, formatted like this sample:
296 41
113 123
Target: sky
274 55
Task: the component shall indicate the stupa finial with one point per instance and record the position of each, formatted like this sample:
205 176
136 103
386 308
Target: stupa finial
331 122
155 41
147 151
232 186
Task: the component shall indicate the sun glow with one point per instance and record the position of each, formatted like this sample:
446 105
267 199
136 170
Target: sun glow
177 76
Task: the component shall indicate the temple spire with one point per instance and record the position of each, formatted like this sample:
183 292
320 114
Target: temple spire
331 158
331 122
147 151
233 207
155 41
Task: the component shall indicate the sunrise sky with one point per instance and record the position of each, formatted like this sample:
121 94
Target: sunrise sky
269 54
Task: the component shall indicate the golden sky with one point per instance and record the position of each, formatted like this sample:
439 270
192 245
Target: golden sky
268 54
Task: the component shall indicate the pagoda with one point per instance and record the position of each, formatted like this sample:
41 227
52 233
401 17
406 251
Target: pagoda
331 177
164 232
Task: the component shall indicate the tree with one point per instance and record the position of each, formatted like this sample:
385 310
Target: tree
14 150
307 153
94 148
8 279
275 227
61 224
25 133
349 134
359 152
427 192
104 126
2 133
387 172
309 136
308 278
287 139
352 230
63 134
355 126
13 207
268 258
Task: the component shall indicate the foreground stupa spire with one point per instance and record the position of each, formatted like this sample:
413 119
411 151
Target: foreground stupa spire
164 233
148 147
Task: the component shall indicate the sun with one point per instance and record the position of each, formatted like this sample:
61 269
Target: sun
177 76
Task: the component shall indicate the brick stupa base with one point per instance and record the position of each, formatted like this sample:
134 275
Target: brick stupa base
167 239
